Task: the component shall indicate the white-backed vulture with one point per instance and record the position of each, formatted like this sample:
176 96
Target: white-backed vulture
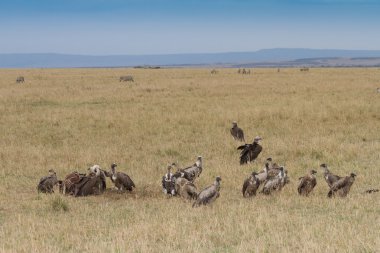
307 183
102 174
236 132
342 186
249 152
329 177
275 183
121 180
47 183
185 188
263 175
168 182
195 169
209 194
250 185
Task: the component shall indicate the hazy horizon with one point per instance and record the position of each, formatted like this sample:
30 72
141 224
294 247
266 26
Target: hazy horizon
146 27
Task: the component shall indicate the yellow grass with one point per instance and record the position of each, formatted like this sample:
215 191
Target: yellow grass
68 119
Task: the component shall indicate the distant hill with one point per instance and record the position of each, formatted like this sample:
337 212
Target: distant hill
264 58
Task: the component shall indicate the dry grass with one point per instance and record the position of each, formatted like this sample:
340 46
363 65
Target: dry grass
68 119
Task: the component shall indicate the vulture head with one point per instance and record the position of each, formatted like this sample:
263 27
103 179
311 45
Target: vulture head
218 179
266 167
257 139
323 166
95 170
353 175
113 171
234 124
199 161
313 172
52 172
269 159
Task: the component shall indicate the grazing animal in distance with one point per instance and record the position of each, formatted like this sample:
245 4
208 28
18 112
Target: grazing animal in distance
304 69
307 183
20 79
249 152
236 132
195 169
275 183
214 71
342 186
126 79
168 182
329 177
371 191
209 194
121 180
250 185
46 184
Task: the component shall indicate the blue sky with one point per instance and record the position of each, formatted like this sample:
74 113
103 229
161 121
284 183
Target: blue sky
103 27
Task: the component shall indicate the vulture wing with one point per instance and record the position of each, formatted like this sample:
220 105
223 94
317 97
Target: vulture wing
240 135
207 194
127 181
245 185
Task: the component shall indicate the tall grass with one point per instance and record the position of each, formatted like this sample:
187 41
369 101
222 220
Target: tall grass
68 119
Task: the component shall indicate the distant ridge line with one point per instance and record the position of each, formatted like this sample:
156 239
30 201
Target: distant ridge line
265 57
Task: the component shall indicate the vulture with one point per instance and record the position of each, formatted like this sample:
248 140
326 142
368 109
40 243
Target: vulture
263 175
275 183
168 183
183 174
121 180
185 188
250 186
329 177
195 169
102 174
237 132
342 186
47 183
209 194
307 183
89 185
250 151
68 184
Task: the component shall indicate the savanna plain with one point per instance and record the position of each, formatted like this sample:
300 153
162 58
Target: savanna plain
70 119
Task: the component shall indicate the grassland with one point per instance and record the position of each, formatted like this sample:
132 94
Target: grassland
68 119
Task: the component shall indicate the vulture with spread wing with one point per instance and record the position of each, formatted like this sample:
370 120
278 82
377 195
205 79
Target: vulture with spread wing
249 152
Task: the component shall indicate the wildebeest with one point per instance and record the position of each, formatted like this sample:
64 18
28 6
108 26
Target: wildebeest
214 71
89 185
126 79
20 79
47 183
304 69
